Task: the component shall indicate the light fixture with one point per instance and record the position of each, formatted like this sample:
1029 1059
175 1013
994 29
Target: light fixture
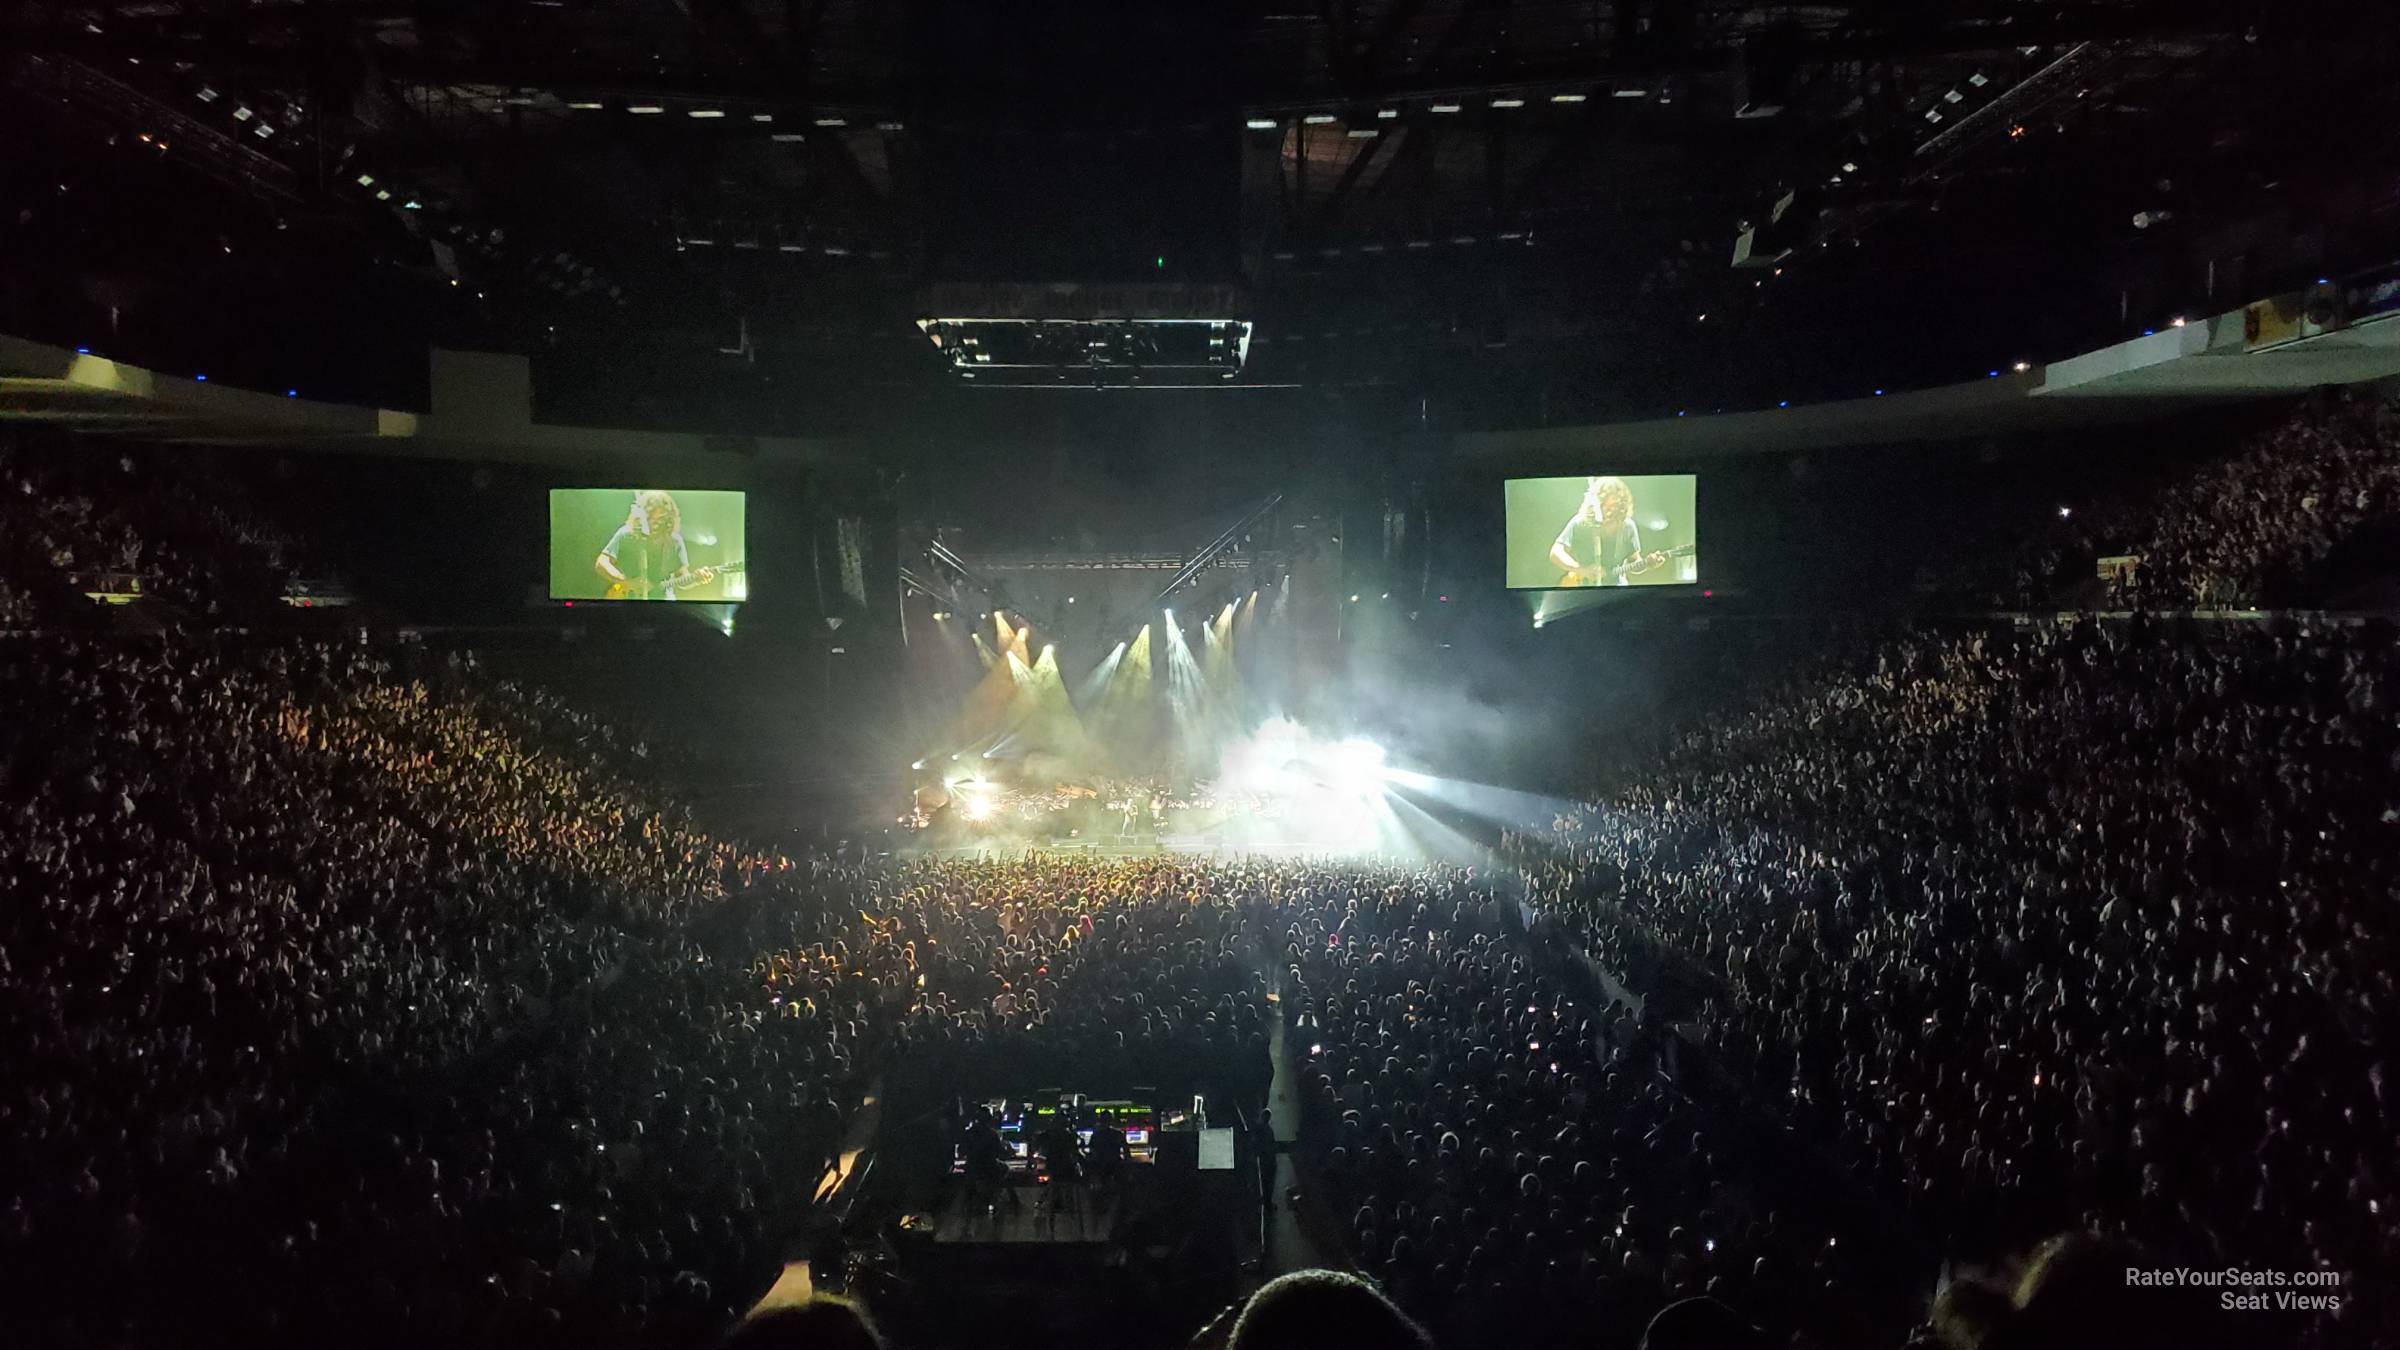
1508 103
584 105
1386 114
1318 119
1365 133
706 113
1260 123
1443 108
644 109
762 117
1568 98
833 121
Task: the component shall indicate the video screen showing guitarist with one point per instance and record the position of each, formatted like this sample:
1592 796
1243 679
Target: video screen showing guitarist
1600 545
647 559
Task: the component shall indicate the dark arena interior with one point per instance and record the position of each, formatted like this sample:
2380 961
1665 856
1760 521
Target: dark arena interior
1259 675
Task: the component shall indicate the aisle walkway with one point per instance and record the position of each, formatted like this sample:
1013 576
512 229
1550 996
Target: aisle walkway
1289 1246
796 1284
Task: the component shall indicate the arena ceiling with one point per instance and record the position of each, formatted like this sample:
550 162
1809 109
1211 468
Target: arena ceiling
1538 204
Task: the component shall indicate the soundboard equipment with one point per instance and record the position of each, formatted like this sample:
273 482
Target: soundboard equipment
1021 1125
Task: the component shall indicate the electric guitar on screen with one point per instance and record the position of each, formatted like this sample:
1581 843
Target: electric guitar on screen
635 588
1610 576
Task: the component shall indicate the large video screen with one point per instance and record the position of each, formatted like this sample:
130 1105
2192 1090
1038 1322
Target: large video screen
647 544
1601 530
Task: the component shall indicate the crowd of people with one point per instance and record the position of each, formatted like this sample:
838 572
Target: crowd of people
314 964
2074 925
353 995
2080 926
131 522
1095 974
1498 1135
2252 527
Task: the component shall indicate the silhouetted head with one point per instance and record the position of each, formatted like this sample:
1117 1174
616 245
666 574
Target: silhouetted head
1701 1324
1324 1310
822 1323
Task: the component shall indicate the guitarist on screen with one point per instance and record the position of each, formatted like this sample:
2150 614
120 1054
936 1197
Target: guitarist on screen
646 556
1601 546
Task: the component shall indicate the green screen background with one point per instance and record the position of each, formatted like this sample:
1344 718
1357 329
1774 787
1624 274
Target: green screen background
582 519
1538 507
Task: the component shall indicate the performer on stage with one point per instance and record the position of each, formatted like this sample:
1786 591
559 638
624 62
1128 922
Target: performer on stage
1600 545
1107 1155
646 557
1062 1158
987 1164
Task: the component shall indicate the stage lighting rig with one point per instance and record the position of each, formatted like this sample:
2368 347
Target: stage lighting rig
1073 335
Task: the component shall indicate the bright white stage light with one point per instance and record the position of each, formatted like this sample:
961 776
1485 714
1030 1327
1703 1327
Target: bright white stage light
1354 768
976 799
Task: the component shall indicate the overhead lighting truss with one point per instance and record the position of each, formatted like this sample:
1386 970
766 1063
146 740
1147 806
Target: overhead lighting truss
1089 352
